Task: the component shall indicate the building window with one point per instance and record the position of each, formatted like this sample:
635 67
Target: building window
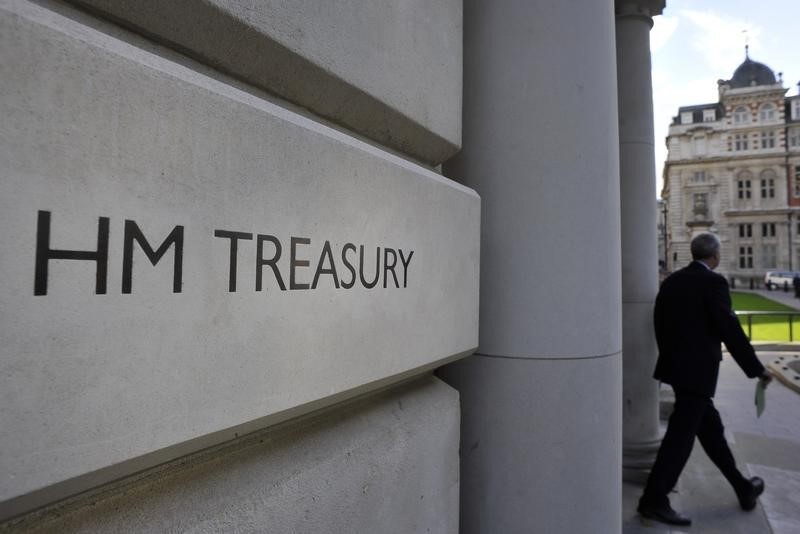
699 145
740 115
767 229
699 177
768 188
767 139
769 256
743 187
794 137
700 203
674 148
745 230
797 180
686 117
767 112
740 141
796 109
709 115
745 257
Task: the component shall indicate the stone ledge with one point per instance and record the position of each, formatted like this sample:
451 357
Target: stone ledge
787 370
324 471
399 88
99 133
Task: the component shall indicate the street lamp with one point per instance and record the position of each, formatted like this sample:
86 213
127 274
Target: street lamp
789 215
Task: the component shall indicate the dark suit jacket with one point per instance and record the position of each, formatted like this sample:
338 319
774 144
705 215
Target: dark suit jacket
693 316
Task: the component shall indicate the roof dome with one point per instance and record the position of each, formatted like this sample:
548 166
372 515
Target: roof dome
752 73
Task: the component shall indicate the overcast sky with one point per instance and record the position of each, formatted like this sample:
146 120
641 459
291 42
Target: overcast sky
697 42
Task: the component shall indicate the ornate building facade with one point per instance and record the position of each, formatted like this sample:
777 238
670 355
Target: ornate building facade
733 168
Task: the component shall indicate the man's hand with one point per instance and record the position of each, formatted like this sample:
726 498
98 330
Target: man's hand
766 377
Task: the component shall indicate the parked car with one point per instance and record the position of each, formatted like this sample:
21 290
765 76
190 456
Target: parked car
777 279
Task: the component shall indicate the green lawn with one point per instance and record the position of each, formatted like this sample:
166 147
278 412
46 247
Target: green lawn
771 328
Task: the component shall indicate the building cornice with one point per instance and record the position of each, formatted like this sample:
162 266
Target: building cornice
722 128
639 9
759 212
699 224
779 158
749 93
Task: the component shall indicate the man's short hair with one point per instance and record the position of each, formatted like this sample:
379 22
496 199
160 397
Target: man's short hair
704 246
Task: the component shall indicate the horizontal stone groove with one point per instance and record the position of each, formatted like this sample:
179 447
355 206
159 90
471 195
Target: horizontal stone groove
555 358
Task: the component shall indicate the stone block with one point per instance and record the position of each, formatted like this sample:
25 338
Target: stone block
388 463
184 261
390 71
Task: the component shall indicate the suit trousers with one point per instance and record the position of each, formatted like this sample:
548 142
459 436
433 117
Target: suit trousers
694 416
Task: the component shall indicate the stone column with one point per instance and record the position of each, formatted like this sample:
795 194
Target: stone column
541 400
641 435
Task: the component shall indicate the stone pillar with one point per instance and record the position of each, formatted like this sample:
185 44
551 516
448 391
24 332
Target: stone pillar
641 435
541 400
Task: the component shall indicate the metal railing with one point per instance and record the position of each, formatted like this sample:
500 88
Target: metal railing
790 315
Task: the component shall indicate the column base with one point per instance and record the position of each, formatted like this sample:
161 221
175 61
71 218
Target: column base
520 464
638 458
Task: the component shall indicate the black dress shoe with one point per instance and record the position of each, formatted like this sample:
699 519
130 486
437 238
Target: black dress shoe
665 514
747 497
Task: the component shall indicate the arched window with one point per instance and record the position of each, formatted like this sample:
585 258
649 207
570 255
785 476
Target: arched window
767 112
740 115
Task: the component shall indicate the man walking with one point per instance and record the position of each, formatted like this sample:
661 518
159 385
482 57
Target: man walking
693 316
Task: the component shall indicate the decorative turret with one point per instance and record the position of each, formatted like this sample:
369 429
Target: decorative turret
751 73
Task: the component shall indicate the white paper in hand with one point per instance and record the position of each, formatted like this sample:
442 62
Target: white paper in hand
760 400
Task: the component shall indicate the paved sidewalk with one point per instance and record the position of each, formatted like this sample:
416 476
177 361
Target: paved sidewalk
768 447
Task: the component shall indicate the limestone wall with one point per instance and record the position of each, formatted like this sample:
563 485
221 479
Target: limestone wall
214 224
390 71
387 464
